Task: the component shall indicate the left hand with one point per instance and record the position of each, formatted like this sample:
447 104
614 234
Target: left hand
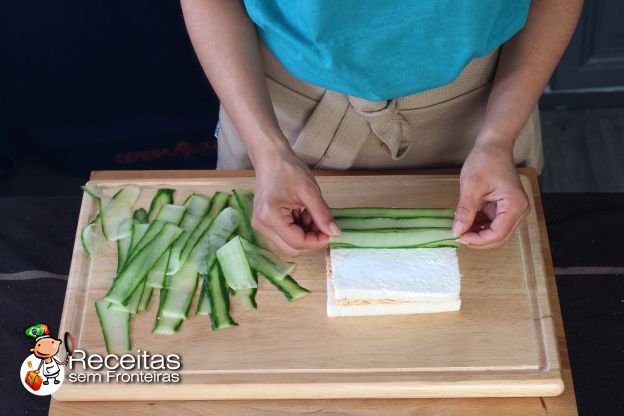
492 201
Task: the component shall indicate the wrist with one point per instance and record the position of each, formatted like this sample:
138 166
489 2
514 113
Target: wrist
493 149
266 151
495 141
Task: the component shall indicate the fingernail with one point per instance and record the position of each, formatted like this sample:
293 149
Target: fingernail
457 227
333 227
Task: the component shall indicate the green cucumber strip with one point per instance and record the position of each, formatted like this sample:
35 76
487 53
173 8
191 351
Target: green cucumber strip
214 238
203 306
219 233
219 300
347 223
289 288
178 302
133 303
145 234
145 298
135 299
137 267
392 237
235 266
439 244
185 278
180 291
265 262
164 325
114 213
167 326
181 286
95 192
171 213
115 327
140 216
392 212
123 247
241 229
163 196
245 298
197 207
138 232
245 202
92 238
218 203
242 200
156 276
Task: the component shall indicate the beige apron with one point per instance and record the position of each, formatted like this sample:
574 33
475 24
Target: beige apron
329 130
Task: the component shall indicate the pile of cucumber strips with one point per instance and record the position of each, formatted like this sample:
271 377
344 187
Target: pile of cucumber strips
175 247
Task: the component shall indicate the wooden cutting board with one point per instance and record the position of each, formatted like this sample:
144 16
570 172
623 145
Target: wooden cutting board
501 343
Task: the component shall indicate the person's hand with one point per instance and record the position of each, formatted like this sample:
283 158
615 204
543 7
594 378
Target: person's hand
288 207
492 201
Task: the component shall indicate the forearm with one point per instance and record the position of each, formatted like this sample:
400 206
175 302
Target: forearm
526 64
226 44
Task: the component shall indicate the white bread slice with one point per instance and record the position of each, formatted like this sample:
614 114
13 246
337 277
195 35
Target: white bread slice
392 281
403 275
385 307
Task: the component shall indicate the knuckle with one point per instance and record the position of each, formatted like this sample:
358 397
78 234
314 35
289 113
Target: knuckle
462 212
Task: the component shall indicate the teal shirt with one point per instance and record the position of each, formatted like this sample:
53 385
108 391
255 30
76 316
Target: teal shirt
383 49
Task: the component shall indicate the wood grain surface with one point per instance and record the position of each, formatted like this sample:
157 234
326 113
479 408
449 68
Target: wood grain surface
520 360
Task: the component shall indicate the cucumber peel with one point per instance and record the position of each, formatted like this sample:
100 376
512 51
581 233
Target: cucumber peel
373 212
163 196
392 238
92 238
115 327
235 266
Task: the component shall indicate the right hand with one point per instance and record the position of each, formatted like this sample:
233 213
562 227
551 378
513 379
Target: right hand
288 207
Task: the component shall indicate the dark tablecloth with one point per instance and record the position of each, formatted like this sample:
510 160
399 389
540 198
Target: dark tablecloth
36 242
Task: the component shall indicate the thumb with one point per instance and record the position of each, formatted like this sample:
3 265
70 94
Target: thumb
467 207
320 212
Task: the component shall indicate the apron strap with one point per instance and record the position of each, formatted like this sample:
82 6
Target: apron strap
317 134
340 125
386 122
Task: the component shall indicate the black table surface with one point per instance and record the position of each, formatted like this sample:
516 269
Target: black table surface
585 232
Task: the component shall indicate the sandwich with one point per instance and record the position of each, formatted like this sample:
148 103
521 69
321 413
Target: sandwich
370 281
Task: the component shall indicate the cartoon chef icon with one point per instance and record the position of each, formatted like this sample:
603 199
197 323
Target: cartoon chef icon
45 348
